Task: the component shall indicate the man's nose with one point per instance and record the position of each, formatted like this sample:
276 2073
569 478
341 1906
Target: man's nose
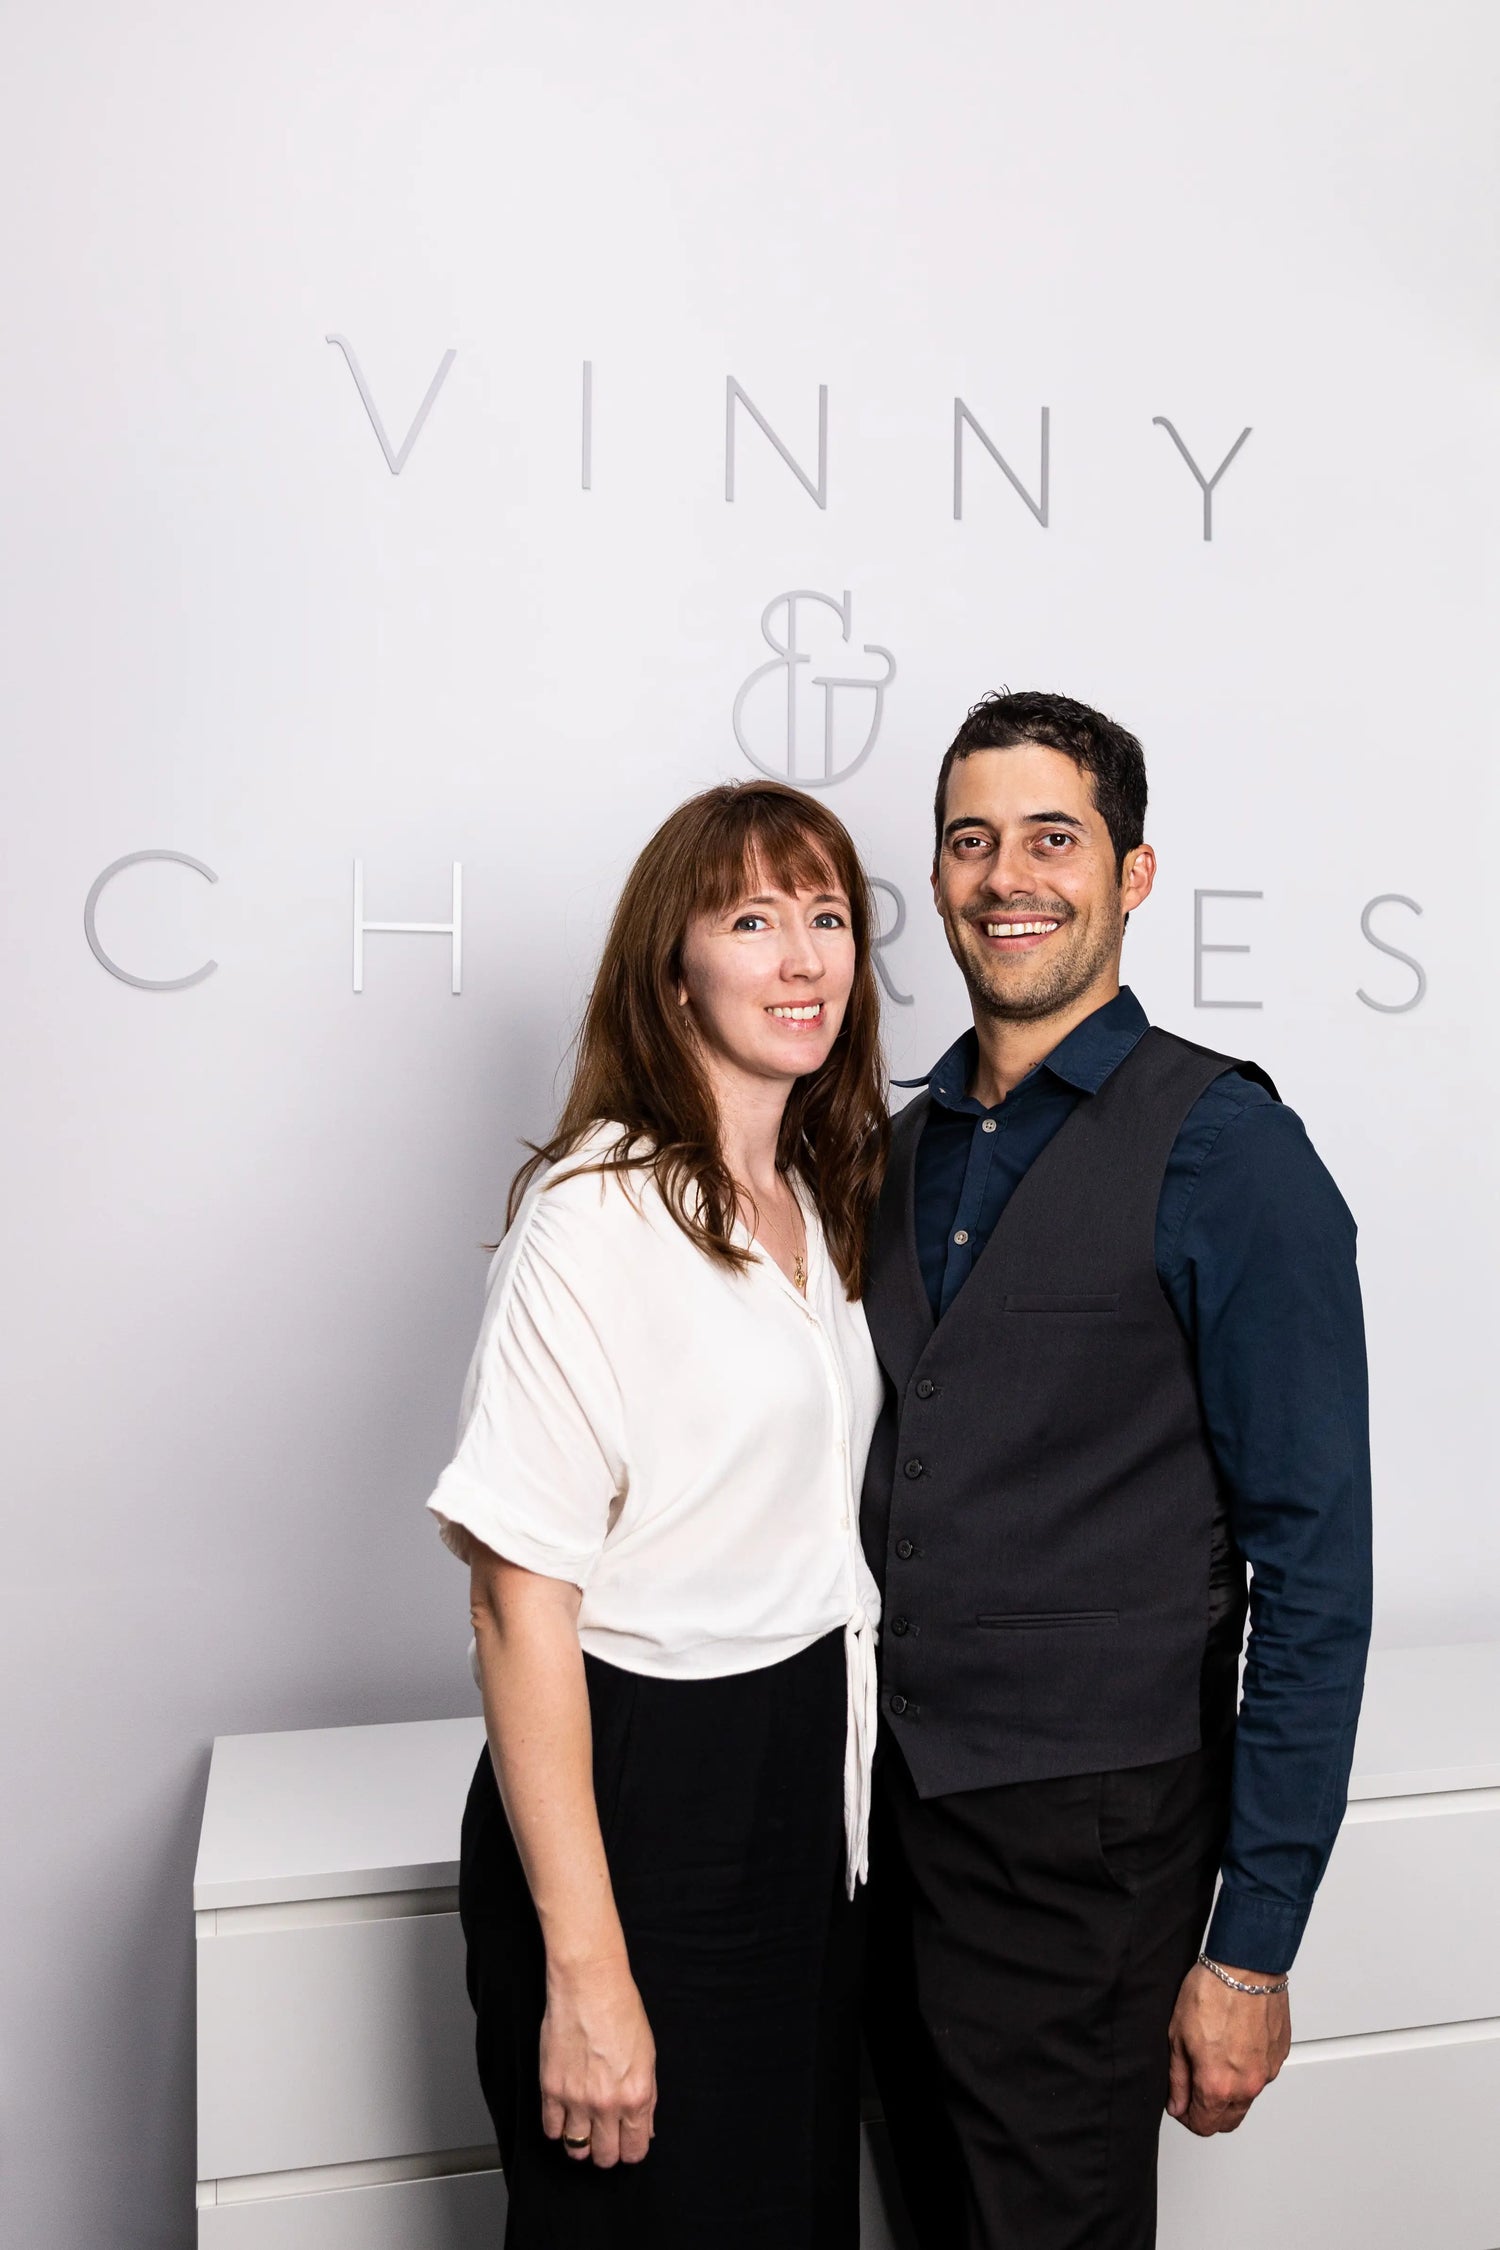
1008 871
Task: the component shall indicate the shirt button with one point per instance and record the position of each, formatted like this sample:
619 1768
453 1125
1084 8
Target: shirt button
962 1235
905 1550
988 1126
914 1469
898 1626
926 1387
898 1704
844 1522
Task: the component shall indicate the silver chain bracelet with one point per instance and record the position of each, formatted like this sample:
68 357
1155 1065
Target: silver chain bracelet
1261 1991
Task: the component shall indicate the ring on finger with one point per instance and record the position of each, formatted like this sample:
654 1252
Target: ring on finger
576 2140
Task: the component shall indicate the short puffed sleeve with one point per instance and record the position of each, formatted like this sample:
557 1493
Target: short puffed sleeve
540 1459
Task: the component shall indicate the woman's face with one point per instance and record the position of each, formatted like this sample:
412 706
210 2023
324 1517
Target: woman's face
767 981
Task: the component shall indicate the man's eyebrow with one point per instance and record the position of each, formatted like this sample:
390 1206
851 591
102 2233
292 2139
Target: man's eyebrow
1029 820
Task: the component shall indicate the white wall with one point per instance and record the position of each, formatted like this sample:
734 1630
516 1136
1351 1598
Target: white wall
240 1238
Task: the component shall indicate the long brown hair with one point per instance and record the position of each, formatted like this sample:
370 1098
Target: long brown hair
637 1061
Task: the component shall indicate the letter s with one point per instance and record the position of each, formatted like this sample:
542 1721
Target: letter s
1392 1007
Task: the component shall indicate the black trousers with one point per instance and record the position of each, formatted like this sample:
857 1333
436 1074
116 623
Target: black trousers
721 1803
1026 1948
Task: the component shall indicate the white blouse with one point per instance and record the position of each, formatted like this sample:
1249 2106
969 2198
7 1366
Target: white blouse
683 1443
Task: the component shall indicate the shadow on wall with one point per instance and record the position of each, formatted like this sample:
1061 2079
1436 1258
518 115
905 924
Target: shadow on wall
148 1981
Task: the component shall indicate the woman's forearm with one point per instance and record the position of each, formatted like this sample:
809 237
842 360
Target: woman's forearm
597 2059
536 1713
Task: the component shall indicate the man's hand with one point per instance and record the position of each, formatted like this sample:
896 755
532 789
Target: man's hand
1225 2047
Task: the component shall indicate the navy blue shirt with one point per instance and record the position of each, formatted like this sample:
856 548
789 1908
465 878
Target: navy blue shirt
1255 1251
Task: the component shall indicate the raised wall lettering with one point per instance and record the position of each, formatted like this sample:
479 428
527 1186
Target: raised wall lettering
888 937
127 976
1205 487
1392 1007
1038 507
783 764
395 462
817 492
1201 946
453 929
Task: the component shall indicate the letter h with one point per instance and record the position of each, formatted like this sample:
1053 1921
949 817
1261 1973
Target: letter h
453 929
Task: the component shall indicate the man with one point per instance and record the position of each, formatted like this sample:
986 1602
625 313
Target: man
1114 1295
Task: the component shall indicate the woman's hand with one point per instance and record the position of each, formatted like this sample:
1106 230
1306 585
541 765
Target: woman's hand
598 2064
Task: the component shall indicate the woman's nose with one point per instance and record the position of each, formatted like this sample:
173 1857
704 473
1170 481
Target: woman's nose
801 957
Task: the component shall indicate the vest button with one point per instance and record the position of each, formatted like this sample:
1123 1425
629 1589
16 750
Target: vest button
913 1468
898 1704
926 1387
905 1550
898 1626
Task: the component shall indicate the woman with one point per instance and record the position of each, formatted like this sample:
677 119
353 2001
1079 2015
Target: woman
656 1489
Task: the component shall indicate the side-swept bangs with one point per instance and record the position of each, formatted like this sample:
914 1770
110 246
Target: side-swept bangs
637 1062
763 839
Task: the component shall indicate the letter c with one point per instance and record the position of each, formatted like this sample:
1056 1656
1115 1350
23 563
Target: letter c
96 892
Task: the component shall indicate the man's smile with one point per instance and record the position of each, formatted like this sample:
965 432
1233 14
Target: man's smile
1014 933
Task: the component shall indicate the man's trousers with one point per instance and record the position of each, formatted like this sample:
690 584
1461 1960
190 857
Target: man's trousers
1027 1944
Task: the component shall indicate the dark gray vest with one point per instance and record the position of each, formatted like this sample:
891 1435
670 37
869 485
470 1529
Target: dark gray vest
1040 1502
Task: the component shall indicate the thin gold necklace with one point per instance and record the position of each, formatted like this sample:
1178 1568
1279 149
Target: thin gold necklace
799 1272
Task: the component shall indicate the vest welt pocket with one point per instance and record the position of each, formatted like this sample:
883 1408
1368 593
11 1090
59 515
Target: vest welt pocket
1043 1620
1079 1308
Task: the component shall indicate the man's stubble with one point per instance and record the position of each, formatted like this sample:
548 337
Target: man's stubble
1067 976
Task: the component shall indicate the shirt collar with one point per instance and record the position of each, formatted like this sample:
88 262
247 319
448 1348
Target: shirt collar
1083 1060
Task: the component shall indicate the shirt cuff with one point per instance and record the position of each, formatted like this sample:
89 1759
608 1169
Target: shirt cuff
1259 1934
468 1511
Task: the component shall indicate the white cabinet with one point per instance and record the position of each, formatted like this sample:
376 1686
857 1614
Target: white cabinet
338 2107
334 2042
1381 2132
462 2211
1372 2143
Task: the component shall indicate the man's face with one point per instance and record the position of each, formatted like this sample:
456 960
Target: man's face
1027 886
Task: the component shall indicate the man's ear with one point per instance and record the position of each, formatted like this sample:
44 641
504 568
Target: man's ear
1136 877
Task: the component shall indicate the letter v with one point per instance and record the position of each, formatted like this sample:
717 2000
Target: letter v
395 462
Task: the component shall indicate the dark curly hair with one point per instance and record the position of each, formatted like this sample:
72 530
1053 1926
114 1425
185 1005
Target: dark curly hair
1111 758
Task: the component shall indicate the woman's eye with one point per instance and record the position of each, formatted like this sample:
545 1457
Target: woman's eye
828 921
752 921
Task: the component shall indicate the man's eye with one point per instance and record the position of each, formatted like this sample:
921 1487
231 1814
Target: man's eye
1057 836
960 841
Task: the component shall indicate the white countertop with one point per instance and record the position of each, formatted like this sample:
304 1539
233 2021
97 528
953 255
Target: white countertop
335 1812
1431 1721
